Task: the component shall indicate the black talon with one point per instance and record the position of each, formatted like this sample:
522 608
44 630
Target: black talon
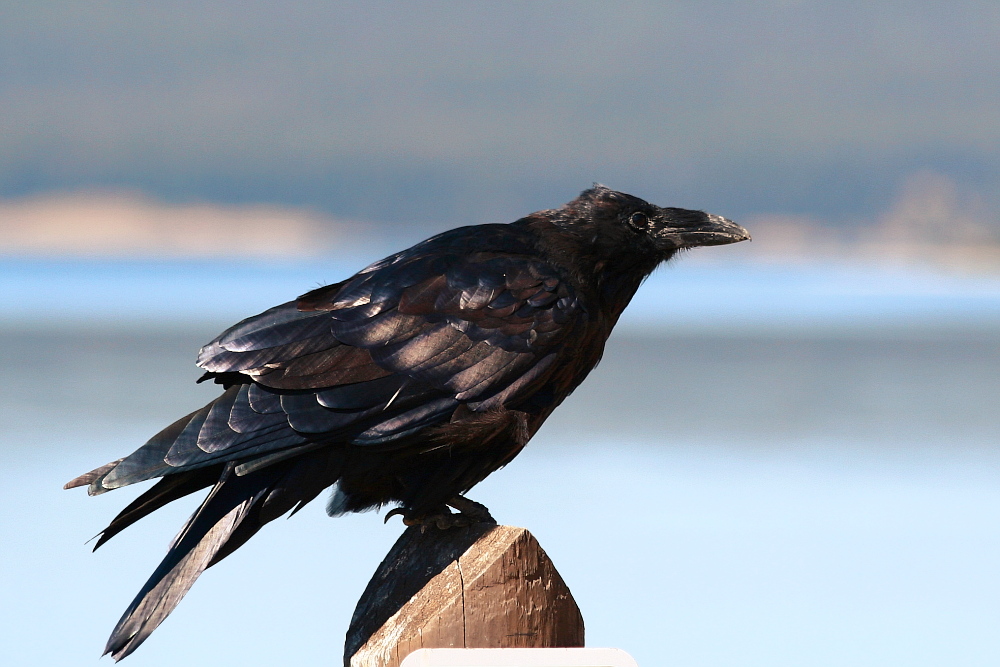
396 512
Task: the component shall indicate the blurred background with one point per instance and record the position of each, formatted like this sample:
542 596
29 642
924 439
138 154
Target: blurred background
790 454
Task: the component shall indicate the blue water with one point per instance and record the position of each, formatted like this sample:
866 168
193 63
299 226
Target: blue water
682 294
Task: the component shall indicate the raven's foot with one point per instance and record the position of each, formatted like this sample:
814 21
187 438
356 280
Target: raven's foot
442 520
470 508
469 513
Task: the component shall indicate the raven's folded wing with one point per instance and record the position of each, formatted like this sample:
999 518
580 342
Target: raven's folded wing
396 348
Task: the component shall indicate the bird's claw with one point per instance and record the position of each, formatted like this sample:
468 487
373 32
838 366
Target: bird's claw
440 520
396 512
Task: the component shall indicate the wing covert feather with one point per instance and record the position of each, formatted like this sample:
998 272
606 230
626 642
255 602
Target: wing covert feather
469 323
395 348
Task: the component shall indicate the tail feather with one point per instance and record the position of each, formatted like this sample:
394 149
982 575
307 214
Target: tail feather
293 485
88 478
142 464
235 509
192 550
166 490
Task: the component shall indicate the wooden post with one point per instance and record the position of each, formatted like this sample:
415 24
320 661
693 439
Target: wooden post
484 586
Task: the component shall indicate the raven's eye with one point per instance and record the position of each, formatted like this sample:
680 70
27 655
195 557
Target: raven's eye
638 220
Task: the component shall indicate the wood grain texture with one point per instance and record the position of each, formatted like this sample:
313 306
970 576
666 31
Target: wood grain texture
479 587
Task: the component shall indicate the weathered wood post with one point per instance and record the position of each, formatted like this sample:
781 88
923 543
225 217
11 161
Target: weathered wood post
485 586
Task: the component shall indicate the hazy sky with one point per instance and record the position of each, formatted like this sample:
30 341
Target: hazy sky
455 112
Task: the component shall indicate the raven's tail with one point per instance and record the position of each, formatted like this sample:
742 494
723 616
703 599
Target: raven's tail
235 509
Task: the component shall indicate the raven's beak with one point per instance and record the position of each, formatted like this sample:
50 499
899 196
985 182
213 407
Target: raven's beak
716 230
709 230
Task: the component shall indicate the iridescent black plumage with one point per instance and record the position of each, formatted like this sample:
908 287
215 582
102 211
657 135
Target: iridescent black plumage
408 383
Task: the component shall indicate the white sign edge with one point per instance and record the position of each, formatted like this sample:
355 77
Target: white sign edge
518 657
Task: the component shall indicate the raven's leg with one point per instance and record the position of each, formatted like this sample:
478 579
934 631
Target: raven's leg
469 512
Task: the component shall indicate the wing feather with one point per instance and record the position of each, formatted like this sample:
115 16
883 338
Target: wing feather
466 324
376 358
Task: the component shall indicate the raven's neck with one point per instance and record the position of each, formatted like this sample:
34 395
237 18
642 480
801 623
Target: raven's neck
606 276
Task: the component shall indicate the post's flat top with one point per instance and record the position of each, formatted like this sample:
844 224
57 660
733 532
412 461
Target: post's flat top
519 657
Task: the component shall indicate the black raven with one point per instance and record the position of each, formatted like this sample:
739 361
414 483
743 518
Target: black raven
406 384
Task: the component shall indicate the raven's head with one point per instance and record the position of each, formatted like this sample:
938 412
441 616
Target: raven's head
620 222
